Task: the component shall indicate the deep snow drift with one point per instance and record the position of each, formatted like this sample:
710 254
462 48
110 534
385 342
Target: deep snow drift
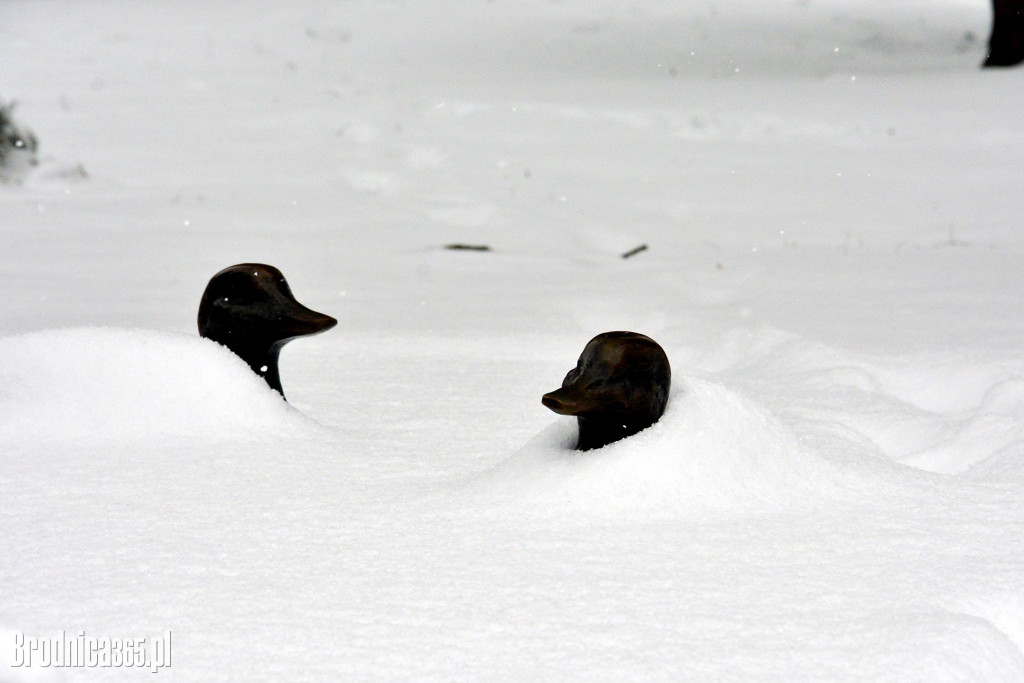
832 213
126 385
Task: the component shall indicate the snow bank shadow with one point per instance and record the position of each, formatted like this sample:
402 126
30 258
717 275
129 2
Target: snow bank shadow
91 385
941 412
712 451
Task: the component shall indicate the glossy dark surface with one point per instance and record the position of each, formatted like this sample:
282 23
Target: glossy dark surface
619 387
250 309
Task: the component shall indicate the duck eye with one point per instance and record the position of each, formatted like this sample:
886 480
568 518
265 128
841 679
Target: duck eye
597 384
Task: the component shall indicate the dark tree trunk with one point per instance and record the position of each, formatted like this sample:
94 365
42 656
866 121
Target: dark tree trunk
1006 46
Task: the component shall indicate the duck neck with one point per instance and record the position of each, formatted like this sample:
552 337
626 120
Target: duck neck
264 364
601 430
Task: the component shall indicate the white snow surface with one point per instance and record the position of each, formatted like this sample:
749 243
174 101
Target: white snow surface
830 193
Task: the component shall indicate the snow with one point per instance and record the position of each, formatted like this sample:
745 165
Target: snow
830 194
75 385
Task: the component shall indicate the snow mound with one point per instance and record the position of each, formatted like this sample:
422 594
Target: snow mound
987 441
103 384
713 451
942 412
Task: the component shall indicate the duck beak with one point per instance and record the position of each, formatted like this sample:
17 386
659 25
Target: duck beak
301 321
569 401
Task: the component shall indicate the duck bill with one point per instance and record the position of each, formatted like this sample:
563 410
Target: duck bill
302 322
569 401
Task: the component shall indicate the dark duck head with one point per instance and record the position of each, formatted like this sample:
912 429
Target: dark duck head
250 309
618 388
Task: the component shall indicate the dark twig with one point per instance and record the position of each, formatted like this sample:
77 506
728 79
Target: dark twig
467 247
634 251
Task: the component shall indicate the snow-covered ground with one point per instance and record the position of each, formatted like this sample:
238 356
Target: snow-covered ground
831 195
